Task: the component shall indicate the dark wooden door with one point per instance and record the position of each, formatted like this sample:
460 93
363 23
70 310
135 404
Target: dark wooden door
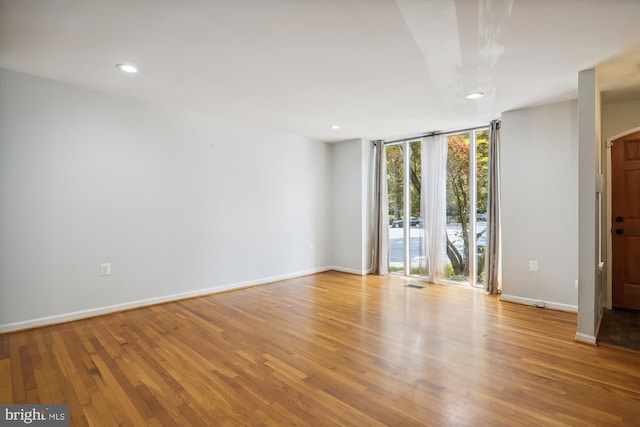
625 175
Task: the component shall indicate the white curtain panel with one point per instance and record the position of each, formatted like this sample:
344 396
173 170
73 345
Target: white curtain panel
380 253
494 246
434 208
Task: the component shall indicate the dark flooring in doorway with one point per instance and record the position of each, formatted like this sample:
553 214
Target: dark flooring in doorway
620 329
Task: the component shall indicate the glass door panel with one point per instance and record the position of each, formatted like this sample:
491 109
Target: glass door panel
395 189
416 233
458 150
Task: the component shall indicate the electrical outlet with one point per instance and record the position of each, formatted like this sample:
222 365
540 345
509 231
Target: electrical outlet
105 269
533 265
576 284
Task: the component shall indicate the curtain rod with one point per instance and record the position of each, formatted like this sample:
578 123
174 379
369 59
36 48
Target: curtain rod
435 133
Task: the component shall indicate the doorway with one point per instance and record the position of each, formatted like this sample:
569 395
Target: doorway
625 221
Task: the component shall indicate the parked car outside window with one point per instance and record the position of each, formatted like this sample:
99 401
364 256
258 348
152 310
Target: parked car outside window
415 222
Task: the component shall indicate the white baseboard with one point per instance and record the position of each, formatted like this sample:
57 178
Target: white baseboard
351 270
584 338
547 304
83 314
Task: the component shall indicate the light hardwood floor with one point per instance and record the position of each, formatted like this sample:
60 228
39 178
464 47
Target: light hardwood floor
328 349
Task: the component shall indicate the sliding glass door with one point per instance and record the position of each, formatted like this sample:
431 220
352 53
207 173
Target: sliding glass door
467 171
415 223
403 186
466 206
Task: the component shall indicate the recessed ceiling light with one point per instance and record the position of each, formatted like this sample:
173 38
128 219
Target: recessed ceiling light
475 95
127 68
335 127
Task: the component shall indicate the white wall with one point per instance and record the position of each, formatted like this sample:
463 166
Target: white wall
367 204
351 221
539 186
620 117
179 203
590 297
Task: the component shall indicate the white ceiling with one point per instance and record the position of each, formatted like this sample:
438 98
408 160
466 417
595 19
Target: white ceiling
378 68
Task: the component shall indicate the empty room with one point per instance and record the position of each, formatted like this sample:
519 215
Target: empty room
320 212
